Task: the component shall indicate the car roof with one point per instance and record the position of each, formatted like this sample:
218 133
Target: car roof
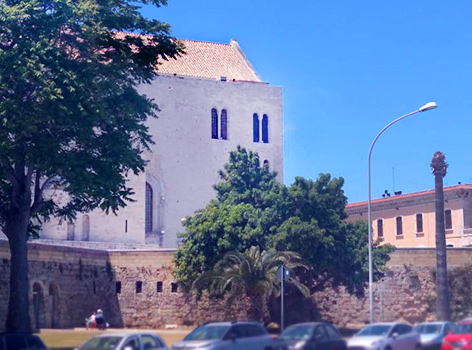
123 334
436 322
386 324
229 323
308 324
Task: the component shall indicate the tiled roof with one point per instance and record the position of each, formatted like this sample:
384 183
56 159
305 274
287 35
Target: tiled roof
409 195
211 61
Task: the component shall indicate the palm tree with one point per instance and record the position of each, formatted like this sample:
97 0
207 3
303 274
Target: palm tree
439 169
253 274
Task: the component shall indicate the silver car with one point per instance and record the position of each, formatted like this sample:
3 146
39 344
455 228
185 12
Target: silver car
385 336
125 341
432 333
236 335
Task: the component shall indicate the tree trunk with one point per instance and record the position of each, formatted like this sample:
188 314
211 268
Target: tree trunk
18 318
442 301
259 307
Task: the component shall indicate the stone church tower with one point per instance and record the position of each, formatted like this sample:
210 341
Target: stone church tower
211 100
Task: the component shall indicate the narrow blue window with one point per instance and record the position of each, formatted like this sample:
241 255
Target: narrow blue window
214 123
265 129
255 125
224 125
149 205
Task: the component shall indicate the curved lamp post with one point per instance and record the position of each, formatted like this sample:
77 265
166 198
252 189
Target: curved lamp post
427 107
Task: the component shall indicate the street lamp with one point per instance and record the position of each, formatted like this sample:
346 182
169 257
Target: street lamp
427 107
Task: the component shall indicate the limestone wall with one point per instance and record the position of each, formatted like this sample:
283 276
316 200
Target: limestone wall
68 283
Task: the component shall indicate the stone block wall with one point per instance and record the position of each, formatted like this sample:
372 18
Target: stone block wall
68 283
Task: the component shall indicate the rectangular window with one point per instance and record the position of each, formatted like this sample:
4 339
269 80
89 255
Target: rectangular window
118 287
380 228
139 286
448 219
159 287
174 287
419 223
399 226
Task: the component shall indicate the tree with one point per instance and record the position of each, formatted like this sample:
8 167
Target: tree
253 209
70 113
439 170
252 273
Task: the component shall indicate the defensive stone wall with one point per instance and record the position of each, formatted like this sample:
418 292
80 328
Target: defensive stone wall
68 283
136 289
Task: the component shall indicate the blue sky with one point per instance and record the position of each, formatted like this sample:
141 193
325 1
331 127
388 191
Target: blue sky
348 68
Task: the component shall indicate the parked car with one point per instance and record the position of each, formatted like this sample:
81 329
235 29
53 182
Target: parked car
460 338
235 335
309 336
385 336
21 341
125 341
432 334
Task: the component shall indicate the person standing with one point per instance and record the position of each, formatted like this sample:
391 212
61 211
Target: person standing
100 320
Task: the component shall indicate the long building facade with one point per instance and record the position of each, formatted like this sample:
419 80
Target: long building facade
408 220
211 100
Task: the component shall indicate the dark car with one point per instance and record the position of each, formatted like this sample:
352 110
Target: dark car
21 341
308 336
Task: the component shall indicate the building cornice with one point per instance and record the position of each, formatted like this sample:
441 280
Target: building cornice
408 200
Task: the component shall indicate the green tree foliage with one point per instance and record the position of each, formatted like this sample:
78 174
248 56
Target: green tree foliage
253 209
70 113
252 273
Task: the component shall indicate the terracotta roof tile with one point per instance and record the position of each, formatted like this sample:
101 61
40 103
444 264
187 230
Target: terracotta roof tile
209 60
212 61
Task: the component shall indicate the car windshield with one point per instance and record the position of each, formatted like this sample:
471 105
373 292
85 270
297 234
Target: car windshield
102 343
428 328
463 328
208 332
375 330
301 332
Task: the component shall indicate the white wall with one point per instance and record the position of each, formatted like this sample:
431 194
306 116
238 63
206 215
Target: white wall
185 160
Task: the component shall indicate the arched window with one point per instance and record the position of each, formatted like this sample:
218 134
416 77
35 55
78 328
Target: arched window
224 125
70 231
265 129
85 227
149 205
255 125
214 123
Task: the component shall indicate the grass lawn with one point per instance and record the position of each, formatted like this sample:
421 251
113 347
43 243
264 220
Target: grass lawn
71 339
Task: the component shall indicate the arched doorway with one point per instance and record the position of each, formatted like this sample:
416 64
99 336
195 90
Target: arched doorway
38 306
54 305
